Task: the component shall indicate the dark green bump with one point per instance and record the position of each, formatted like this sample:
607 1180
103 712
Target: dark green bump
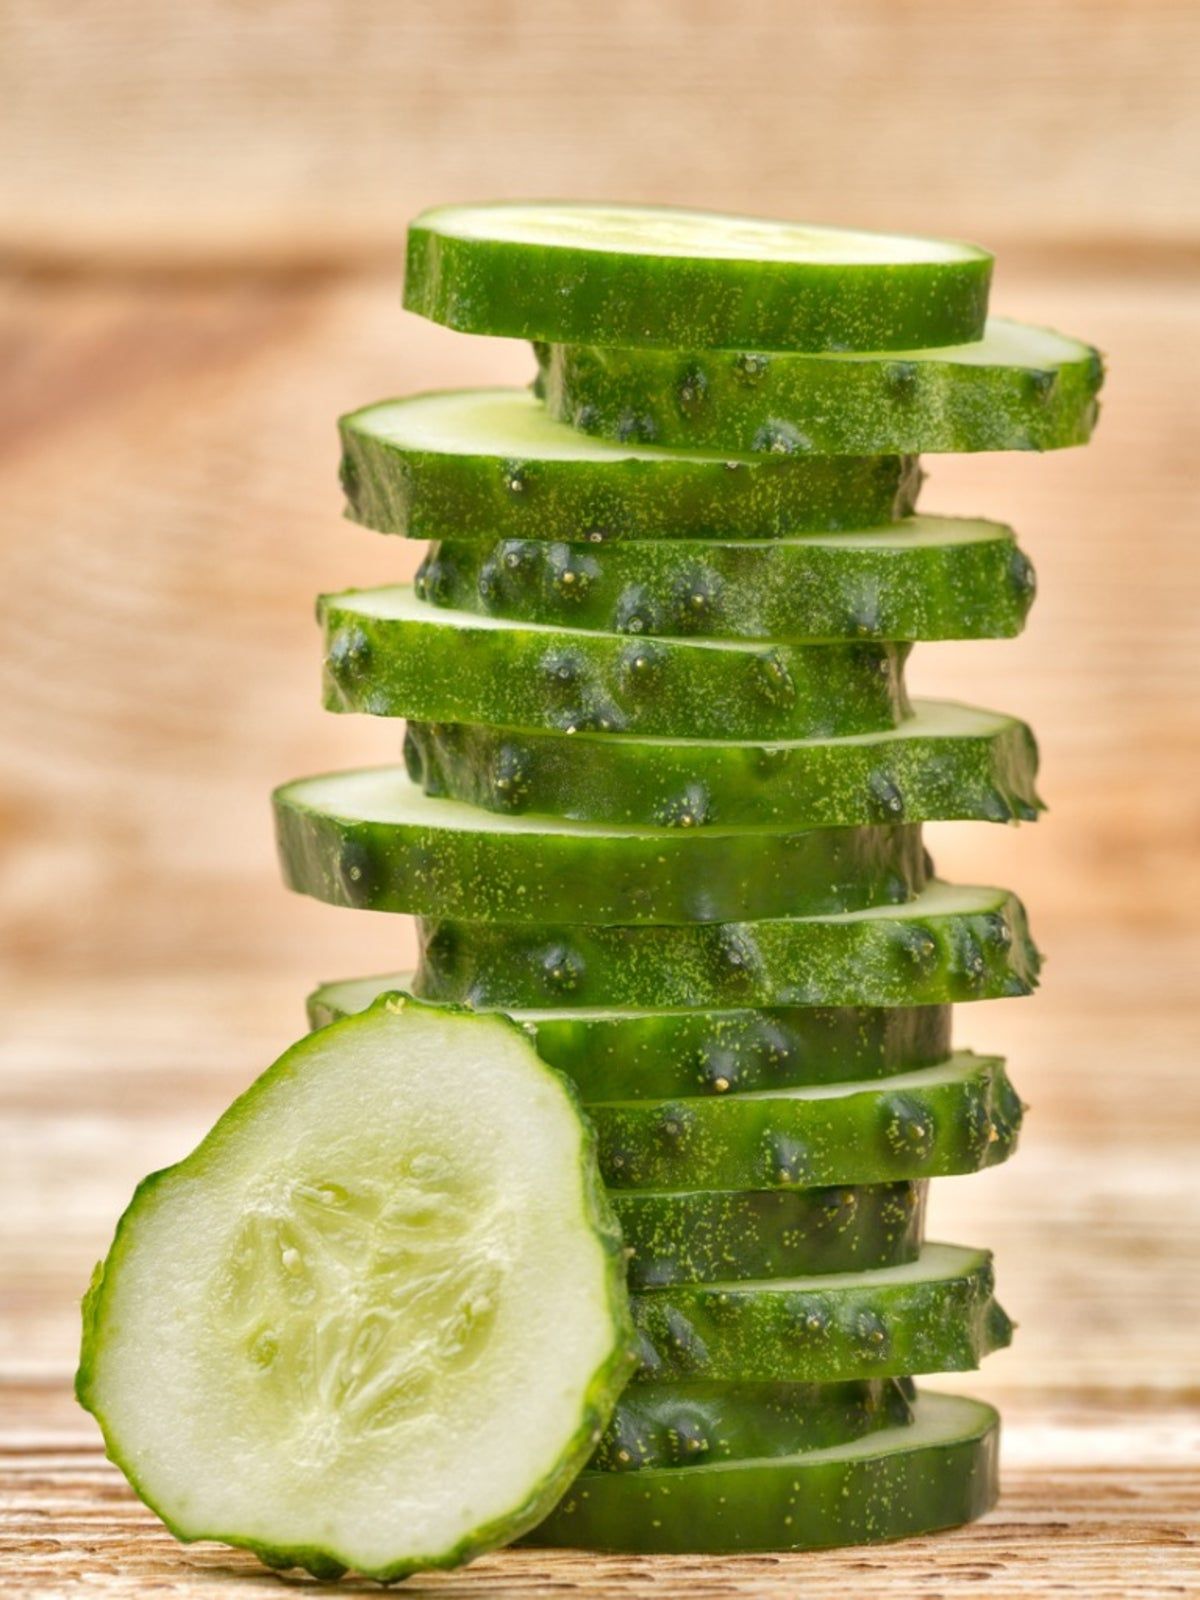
635 611
349 653
779 438
773 680
750 365
692 391
901 379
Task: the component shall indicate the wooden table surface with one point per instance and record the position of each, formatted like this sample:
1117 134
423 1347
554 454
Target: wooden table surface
204 220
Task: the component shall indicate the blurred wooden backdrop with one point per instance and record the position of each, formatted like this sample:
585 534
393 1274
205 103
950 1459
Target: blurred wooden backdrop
201 217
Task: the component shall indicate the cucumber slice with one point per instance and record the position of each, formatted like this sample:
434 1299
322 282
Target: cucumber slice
924 578
377 1319
684 1424
961 1116
373 840
491 463
659 1054
391 656
1019 388
698 1235
620 274
936 1472
950 944
946 762
935 1314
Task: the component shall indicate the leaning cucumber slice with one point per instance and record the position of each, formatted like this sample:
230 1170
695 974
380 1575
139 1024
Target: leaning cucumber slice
376 1320
392 656
660 275
961 1116
935 1472
686 1423
491 464
373 840
699 1235
923 578
935 1314
945 762
1020 388
659 1054
949 944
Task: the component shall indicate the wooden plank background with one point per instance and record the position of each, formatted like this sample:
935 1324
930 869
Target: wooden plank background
201 218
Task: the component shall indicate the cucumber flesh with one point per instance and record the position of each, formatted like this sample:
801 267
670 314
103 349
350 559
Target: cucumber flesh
662 1053
958 1117
1018 388
621 274
945 762
700 1235
938 1471
389 655
491 463
377 1319
374 841
923 578
685 1424
949 944
935 1314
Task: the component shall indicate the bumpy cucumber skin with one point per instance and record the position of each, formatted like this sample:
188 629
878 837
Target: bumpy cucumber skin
805 1332
658 1055
793 590
899 958
894 1485
683 1424
424 494
872 1134
894 777
572 292
603 1391
704 875
705 1235
570 681
821 405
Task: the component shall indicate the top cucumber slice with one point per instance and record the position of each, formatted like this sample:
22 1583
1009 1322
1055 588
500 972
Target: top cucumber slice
619 274
492 464
377 1319
1019 388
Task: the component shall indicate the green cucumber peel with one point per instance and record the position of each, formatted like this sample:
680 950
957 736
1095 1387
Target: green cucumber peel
923 578
389 655
491 464
685 1423
374 841
949 944
242 1346
960 1116
700 1235
945 762
1018 388
660 1053
935 1314
663 275
938 1471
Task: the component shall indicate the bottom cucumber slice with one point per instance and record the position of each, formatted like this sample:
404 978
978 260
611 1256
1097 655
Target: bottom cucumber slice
938 1471
684 1424
377 1319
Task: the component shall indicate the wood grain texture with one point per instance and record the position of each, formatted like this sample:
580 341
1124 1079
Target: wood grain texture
227 131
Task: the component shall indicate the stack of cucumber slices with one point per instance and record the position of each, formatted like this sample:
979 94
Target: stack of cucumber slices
659 818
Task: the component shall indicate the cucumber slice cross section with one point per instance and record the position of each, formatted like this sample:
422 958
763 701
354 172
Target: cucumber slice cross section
661 1053
492 463
377 1319
1018 388
938 1471
951 943
623 274
390 655
945 762
374 841
923 578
